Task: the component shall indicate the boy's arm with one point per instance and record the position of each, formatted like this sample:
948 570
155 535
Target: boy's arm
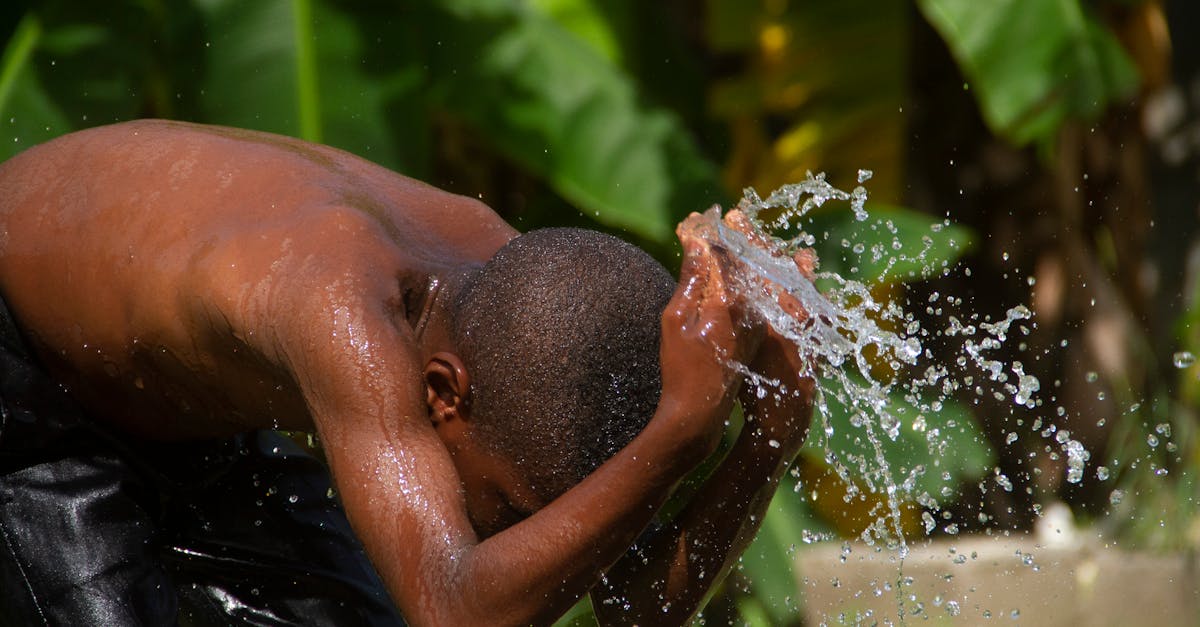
666 580
403 496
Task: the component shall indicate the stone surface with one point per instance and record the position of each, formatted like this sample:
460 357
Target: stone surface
1013 580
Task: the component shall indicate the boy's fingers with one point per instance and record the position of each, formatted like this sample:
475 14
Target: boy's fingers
741 223
699 283
806 261
792 307
696 269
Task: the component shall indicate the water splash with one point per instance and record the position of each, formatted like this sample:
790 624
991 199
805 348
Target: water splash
862 349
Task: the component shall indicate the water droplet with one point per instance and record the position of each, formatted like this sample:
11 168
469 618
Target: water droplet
853 329
1183 359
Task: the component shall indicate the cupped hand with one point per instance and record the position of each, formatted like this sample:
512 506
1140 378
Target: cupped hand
805 260
778 405
704 332
780 417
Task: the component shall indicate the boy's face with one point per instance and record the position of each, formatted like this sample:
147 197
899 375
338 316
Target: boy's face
498 494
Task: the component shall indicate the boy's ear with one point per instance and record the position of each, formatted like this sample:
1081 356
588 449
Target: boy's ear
447 388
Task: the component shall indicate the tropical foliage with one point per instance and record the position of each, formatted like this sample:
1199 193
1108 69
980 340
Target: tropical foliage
623 115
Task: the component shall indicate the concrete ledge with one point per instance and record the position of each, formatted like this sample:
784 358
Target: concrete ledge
1006 580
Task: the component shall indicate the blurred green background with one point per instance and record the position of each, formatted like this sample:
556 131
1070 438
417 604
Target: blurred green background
1061 137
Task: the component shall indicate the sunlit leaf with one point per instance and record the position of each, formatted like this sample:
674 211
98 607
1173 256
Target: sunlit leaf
580 615
1032 64
825 91
584 19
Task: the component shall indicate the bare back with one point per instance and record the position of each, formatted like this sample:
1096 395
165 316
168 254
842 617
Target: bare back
165 271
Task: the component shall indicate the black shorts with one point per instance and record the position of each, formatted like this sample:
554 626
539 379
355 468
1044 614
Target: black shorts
100 529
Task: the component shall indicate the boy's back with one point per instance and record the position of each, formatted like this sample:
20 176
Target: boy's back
158 263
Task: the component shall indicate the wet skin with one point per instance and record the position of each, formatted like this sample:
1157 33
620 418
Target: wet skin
190 282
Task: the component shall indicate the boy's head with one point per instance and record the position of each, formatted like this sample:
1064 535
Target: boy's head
559 337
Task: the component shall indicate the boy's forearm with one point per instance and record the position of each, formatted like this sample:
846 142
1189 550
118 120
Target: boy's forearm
535 570
569 544
670 576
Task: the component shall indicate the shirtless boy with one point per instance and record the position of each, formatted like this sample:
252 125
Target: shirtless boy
490 404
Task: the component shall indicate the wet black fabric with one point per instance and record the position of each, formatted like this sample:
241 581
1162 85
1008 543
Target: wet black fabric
98 529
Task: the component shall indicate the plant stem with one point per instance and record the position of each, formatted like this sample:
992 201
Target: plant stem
17 54
308 100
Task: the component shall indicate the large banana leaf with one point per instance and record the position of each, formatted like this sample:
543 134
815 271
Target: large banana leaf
1032 64
553 103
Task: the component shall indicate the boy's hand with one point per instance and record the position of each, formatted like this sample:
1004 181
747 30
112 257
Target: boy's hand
707 325
782 415
779 420
703 331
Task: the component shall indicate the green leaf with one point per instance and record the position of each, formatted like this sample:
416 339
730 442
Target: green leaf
252 65
1032 64
28 113
308 100
897 244
580 615
297 67
586 21
549 101
945 441
70 65
768 561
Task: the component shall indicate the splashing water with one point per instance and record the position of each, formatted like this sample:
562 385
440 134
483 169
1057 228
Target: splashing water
849 336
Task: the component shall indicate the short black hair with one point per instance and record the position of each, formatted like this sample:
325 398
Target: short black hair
560 333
